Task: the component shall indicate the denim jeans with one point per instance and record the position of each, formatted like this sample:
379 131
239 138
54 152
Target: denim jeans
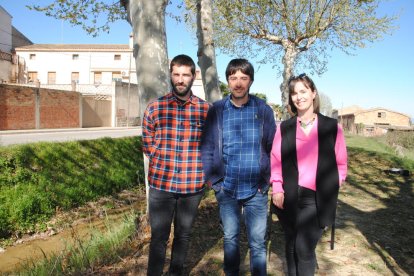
163 208
255 219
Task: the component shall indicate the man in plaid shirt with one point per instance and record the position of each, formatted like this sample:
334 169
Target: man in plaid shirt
171 133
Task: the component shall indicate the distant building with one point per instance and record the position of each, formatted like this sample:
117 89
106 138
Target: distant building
83 66
11 66
372 122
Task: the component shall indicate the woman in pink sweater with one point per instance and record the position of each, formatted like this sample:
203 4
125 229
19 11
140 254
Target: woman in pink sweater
308 164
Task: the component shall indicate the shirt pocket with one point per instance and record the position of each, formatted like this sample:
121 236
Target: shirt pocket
194 129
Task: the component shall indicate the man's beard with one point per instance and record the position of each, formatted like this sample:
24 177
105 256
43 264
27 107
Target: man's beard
184 92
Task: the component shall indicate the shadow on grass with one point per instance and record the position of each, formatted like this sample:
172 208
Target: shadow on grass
383 210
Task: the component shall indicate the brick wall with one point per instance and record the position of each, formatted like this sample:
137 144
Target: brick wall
59 109
24 107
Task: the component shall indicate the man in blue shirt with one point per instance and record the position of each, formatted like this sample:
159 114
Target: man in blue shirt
235 150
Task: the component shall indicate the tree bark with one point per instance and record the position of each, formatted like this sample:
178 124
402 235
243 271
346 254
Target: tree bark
206 52
288 60
150 48
147 19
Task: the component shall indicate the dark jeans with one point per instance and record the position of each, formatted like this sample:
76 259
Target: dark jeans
301 239
163 208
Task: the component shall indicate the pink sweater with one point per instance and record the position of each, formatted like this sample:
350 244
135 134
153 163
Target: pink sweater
307 155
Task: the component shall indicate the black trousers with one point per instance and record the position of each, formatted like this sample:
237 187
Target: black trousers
163 208
302 236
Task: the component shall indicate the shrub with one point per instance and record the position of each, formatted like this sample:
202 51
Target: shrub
401 138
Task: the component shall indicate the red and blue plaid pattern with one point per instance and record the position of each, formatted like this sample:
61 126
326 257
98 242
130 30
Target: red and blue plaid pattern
171 133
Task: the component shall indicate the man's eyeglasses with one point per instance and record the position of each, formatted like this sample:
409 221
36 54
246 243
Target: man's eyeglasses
296 77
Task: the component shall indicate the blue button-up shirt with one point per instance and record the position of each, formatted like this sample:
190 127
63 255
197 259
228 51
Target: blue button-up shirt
241 149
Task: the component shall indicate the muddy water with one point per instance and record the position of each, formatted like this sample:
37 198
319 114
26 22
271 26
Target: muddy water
15 256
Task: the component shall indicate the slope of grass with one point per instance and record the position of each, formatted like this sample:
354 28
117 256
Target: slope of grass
38 179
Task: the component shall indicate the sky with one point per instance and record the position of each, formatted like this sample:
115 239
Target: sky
379 75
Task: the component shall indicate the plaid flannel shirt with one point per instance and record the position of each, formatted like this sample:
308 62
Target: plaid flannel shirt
171 133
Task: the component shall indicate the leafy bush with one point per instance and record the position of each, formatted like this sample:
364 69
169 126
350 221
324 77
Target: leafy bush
404 139
39 178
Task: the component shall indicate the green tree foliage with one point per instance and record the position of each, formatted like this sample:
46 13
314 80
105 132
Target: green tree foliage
260 95
300 33
277 110
225 90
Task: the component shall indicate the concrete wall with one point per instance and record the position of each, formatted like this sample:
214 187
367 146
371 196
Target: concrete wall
35 108
5 70
96 111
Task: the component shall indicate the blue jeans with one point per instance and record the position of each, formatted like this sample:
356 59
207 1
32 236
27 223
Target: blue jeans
255 219
163 208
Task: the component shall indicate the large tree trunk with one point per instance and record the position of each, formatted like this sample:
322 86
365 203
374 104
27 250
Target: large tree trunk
150 51
206 53
288 61
150 48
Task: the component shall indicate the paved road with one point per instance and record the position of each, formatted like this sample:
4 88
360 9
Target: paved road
13 137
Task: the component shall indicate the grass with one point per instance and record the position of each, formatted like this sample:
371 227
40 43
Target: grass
395 143
373 226
39 179
84 255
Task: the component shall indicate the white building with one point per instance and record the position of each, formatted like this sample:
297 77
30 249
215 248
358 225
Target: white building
80 63
92 67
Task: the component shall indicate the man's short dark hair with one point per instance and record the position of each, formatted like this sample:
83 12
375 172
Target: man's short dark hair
183 60
240 64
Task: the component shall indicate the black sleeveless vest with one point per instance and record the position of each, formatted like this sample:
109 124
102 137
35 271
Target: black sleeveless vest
327 175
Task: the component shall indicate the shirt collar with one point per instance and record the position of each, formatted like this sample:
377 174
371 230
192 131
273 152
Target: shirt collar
229 102
172 98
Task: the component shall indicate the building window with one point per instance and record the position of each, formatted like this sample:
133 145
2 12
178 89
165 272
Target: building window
116 76
51 77
74 77
32 56
381 114
75 57
117 57
97 77
32 76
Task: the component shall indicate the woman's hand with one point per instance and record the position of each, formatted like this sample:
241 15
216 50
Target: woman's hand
278 199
